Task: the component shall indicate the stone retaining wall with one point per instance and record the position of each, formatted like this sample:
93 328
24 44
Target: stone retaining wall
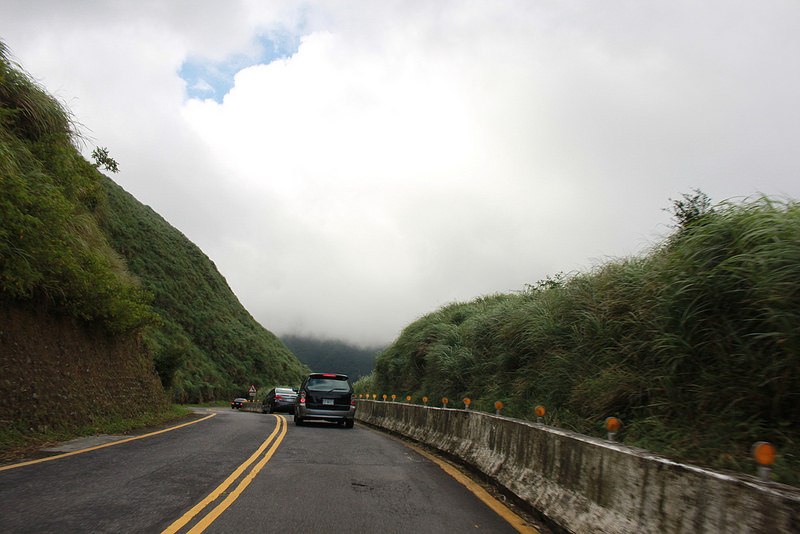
60 373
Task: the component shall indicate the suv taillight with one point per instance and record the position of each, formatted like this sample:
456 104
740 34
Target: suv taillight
302 397
353 399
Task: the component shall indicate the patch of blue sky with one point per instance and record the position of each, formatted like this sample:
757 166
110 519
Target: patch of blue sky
207 79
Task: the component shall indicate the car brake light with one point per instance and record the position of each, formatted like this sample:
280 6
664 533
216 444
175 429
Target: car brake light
353 399
329 376
303 397
278 397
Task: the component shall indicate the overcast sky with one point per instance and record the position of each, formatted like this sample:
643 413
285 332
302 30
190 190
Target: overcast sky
351 166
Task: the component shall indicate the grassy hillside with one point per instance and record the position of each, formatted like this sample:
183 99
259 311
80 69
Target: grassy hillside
334 356
208 346
74 243
70 312
695 346
52 249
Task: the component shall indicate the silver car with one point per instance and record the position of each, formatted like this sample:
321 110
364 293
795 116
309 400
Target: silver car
279 400
326 397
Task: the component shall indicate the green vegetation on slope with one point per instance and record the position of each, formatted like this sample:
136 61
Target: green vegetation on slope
71 312
51 248
326 355
209 346
70 239
696 346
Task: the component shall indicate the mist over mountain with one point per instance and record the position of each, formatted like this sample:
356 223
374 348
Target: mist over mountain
327 355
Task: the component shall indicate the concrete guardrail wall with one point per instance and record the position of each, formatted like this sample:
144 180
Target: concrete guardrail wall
251 406
585 484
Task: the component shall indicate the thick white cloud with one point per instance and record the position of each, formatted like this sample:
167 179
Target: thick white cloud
413 153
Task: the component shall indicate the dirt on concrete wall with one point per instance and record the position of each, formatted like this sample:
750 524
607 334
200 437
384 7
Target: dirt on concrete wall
57 372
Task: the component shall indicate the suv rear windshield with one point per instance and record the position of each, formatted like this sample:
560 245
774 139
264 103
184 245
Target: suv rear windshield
327 384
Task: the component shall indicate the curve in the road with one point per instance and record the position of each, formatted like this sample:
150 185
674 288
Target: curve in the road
513 519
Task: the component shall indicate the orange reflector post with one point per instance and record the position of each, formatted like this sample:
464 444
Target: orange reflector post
408 398
384 396
444 401
612 424
425 400
540 411
764 453
394 397
498 405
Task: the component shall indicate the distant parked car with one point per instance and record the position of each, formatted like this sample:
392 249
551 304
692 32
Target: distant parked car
237 403
326 397
279 400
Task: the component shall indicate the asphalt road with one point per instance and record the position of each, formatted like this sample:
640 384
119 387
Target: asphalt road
314 478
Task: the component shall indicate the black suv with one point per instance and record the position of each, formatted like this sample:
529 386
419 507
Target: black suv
326 397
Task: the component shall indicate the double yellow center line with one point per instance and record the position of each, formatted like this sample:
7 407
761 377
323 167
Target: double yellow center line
202 524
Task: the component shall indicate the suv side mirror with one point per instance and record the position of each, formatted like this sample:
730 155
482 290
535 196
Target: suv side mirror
296 389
